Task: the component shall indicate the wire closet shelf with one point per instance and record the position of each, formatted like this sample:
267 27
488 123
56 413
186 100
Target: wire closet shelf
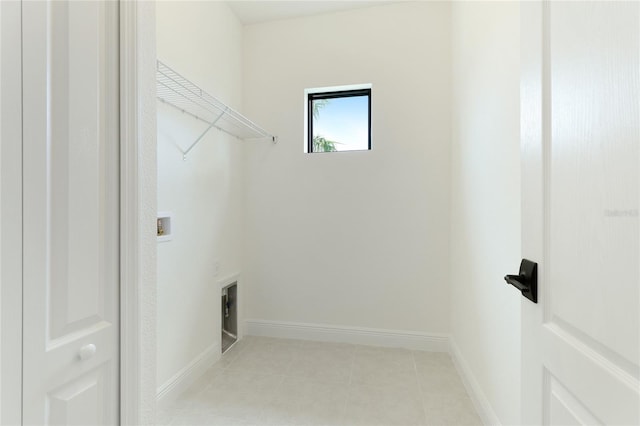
180 93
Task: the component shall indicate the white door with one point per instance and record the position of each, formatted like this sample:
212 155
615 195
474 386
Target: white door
581 155
71 213
10 214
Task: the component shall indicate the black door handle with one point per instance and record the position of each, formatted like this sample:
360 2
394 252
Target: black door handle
514 280
527 280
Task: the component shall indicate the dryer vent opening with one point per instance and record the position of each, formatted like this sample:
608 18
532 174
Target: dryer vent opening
229 316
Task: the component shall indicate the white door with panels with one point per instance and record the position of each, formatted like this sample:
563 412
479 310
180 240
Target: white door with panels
71 213
581 154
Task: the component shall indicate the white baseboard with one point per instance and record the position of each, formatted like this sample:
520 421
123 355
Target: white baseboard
480 401
184 378
343 334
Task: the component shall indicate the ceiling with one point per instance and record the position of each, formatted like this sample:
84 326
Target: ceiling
253 12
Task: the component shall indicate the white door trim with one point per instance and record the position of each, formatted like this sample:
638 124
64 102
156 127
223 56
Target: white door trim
533 130
138 210
129 262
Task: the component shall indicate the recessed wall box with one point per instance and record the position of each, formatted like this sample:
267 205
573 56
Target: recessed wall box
229 315
165 226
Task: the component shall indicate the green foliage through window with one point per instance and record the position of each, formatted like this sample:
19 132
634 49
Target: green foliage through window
320 143
339 121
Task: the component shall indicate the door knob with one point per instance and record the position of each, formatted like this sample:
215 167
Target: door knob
527 280
87 352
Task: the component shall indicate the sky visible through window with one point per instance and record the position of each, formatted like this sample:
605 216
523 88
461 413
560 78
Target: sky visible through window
344 121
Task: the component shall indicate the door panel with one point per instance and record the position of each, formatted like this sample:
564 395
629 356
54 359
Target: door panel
78 170
82 402
593 177
71 212
564 408
609 392
581 131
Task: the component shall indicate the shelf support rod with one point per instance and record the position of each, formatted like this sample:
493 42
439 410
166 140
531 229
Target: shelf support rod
184 154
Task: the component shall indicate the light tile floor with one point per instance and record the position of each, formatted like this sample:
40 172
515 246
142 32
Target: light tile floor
265 381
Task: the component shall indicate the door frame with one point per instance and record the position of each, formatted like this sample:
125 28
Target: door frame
533 131
137 213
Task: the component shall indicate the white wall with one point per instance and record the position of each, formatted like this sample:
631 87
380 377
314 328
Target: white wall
352 239
356 239
485 213
203 42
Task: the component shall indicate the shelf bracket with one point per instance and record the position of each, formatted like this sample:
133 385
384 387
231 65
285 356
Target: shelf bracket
184 154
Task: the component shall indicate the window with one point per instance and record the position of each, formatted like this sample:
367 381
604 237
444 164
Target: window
338 119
